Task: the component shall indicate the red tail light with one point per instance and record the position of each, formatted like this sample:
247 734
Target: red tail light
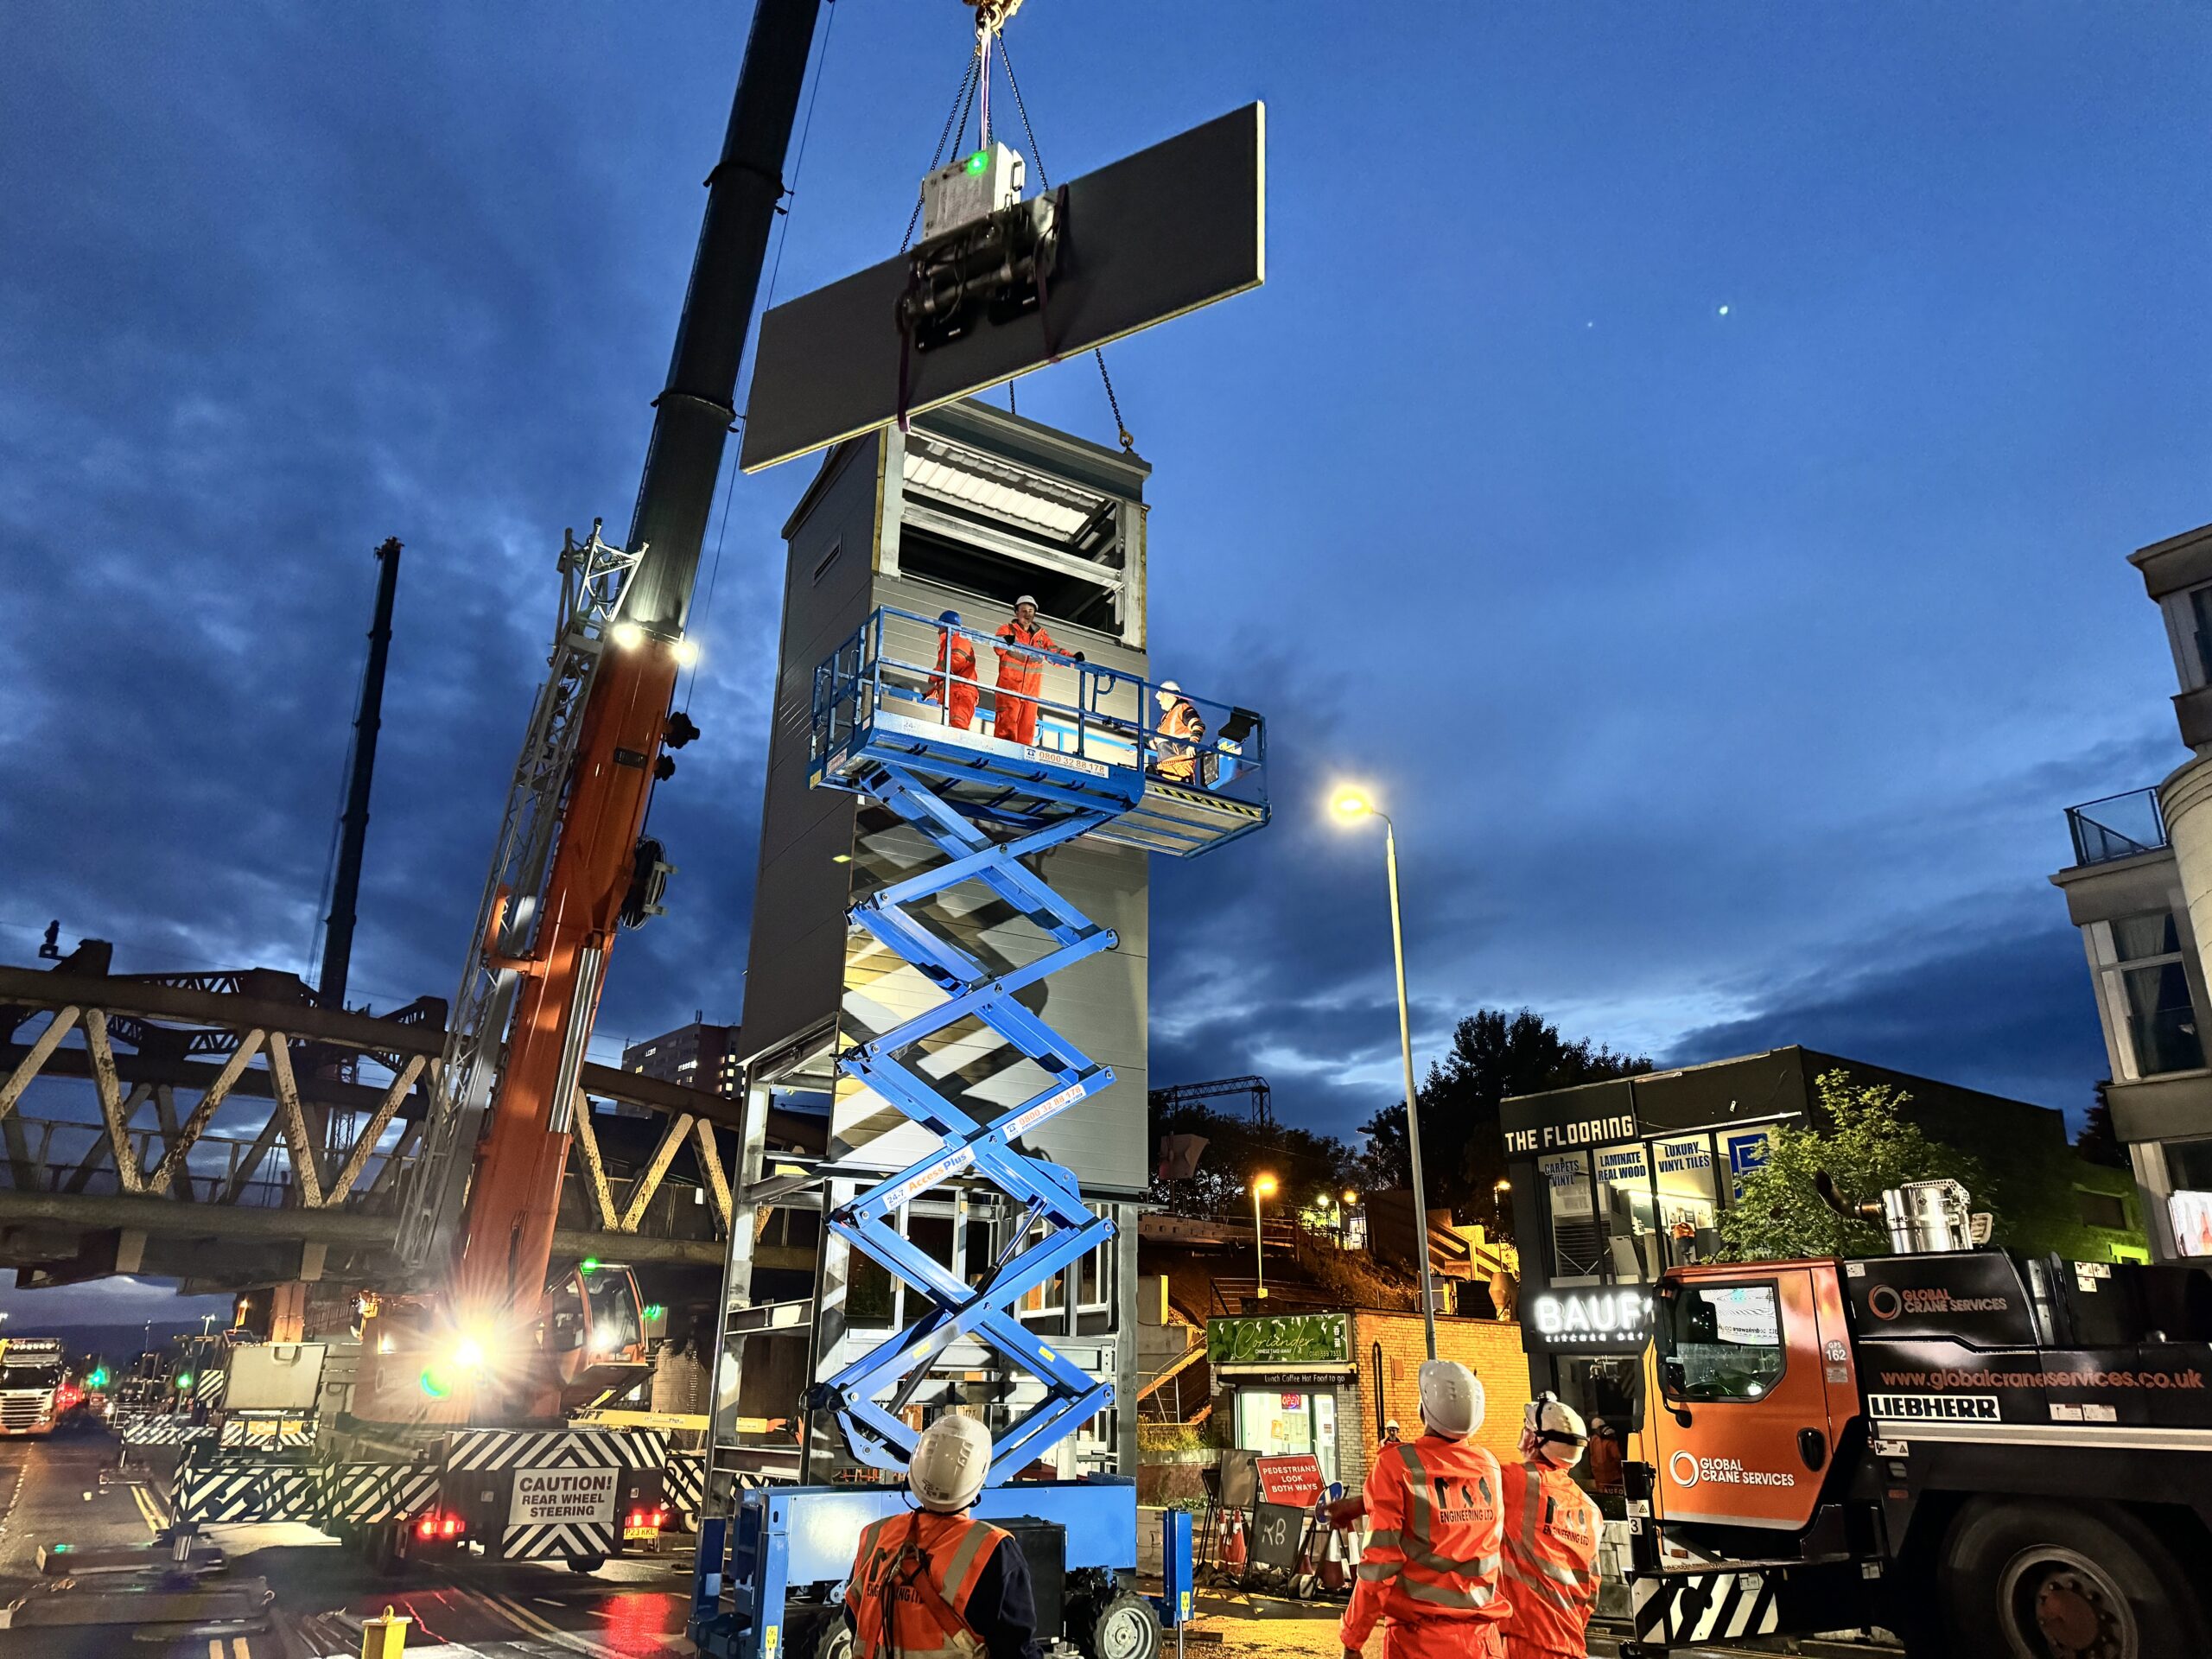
448 1527
427 1527
436 1523
636 1518
660 1517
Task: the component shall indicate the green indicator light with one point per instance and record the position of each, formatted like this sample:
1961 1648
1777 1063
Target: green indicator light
979 161
61 1549
185 1382
98 1380
589 1264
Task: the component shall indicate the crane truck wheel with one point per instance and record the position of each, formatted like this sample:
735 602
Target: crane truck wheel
2041 1580
835 1642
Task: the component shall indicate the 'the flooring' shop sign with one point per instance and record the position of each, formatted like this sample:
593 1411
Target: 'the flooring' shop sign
1607 1120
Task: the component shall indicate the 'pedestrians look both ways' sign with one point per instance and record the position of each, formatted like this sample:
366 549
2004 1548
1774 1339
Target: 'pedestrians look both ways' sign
1164 232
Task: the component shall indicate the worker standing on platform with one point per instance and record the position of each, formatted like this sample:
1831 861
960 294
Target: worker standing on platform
1181 731
1021 673
955 658
1551 1538
1430 1574
936 1581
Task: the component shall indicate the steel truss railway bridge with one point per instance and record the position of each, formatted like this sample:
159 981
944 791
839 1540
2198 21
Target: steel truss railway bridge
228 1130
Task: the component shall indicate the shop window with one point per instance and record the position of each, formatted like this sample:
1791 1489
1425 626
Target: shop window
1578 1241
1721 1341
1624 1199
1689 1212
2147 990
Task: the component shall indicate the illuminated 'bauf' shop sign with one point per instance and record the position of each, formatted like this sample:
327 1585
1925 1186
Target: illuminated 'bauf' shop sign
1602 1317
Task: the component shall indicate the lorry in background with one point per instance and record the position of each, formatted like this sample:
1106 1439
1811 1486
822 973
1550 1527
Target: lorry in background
34 1373
1990 1455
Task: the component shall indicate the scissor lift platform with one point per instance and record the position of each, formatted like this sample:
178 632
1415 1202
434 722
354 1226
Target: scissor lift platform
882 700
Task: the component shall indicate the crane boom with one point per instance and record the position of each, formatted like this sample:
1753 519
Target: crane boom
567 858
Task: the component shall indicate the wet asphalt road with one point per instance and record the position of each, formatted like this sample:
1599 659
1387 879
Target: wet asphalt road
67 1490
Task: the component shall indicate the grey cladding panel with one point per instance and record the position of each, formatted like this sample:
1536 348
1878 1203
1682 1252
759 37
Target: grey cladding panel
1164 232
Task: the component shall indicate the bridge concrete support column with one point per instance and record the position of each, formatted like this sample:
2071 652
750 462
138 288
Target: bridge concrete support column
288 1311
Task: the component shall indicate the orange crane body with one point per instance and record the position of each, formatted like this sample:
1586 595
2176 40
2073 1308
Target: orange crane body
514 1198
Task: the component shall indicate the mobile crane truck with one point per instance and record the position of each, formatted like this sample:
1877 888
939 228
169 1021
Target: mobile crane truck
1989 1454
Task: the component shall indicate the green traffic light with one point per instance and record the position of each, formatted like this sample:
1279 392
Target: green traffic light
185 1382
99 1378
979 161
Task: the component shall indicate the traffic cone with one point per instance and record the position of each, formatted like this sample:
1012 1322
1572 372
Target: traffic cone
1232 1540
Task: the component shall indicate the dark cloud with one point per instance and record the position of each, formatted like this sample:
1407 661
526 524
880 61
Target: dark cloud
2002 1004
1704 665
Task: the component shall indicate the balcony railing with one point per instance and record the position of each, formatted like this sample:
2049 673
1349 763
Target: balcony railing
2119 826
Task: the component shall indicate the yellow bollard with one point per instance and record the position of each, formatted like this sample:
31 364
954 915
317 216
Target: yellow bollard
385 1638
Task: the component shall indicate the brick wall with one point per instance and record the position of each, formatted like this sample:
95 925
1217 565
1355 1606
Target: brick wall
1491 1348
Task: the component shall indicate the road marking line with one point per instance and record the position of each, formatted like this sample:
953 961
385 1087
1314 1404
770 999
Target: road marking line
238 1649
527 1620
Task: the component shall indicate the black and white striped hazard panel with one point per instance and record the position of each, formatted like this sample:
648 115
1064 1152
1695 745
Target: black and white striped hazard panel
289 1433
684 1484
555 1542
161 1430
557 1448
364 1492
1705 1607
234 1491
208 1386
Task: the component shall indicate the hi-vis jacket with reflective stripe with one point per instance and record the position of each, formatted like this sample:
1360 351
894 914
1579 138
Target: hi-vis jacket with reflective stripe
1437 1513
1551 1552
911 1584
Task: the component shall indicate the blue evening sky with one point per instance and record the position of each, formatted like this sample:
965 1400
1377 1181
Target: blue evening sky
1683 458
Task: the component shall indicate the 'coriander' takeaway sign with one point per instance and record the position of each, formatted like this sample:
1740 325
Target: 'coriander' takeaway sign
1291 1339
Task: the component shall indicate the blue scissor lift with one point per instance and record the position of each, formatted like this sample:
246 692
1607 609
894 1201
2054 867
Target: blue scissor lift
1099 766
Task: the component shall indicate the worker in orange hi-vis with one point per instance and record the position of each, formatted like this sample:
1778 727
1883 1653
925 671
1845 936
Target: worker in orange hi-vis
1430 1574
937 1583
955 655
1022 674
1552 1531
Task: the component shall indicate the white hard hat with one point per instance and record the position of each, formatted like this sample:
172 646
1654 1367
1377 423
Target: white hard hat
949 1464
1554 1431
1391 1424
1025 600
1451 1398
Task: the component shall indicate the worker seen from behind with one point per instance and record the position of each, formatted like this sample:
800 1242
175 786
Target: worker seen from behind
955 655
1552 1531
1430 1571
1181 731
935 1583
1021 673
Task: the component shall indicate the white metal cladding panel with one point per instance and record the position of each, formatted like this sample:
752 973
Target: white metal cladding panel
799 917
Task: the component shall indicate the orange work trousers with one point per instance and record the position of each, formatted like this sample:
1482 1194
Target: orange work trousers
1442 1639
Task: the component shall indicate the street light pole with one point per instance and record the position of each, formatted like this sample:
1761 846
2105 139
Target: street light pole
1261 1186
1413 1113
1354 803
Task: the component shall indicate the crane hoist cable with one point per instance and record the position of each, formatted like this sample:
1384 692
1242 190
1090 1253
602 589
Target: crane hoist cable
1120 427
962 101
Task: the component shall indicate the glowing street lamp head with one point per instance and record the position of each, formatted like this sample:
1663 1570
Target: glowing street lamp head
1351 1197
686 652
1352 804
1265 1185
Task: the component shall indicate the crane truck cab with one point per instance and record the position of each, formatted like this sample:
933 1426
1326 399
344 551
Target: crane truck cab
1990 1455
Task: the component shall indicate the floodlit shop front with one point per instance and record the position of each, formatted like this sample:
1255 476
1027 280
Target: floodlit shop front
1290 1380
1615 1182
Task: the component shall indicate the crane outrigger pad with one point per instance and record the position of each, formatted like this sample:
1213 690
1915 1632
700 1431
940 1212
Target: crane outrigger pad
1140 241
